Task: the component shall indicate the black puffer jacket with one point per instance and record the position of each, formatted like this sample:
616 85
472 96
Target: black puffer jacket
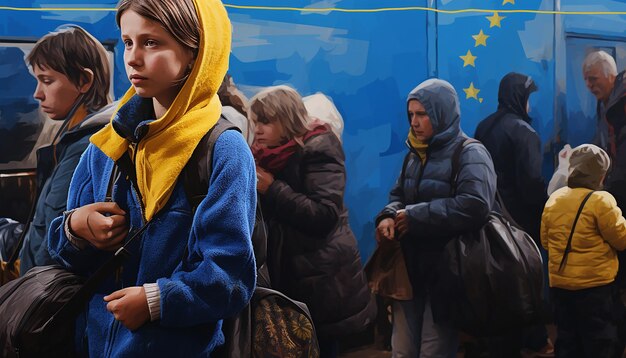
435 214
516 151
319 261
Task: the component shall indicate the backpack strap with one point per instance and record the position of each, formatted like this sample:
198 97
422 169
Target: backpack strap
197 172
196 177
568 248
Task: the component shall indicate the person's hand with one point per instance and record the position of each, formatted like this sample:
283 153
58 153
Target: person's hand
385 229
402 223
129 306
264 179
102 224
564 155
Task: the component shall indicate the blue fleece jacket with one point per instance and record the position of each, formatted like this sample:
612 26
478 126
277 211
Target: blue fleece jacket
214 280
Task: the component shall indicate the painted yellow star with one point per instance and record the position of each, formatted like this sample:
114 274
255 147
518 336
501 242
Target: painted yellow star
471 92
495 20
468 59
508 2
481 39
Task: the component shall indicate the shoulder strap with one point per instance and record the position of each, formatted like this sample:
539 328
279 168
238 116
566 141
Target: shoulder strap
404 165
456 161
568 248
197 172
196 178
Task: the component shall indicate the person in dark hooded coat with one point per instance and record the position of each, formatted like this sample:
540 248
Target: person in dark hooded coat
516 151
434 211
313 255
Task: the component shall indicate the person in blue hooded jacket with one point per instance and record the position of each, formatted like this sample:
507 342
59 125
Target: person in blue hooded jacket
73 81
433 213
189 269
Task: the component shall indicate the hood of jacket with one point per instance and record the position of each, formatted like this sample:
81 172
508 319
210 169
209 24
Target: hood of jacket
171 139
441 102
513 94
588 164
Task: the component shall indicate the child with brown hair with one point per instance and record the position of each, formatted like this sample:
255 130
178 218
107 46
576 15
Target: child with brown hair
189 269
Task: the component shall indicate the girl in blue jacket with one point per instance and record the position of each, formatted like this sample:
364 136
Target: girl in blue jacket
189 269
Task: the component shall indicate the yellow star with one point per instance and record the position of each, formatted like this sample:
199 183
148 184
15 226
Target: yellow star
508 2
468 59
471 92
495 20
481 39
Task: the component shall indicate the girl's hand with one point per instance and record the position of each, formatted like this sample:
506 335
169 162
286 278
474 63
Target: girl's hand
264 179
129 306
102 224
385 229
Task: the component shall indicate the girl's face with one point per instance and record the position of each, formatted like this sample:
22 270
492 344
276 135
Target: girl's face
55 92
154 59
267 133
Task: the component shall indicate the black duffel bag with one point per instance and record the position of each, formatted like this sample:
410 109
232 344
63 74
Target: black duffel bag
491 279
32 322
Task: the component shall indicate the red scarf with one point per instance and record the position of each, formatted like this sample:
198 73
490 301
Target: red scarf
275 159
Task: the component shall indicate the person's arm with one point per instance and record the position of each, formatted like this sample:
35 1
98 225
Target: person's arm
220 278
397 198
82 259
559 178
316 207
611 223
468 209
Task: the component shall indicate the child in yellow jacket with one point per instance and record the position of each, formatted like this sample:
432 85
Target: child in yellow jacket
582 227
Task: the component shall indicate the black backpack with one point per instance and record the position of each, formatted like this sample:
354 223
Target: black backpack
272 325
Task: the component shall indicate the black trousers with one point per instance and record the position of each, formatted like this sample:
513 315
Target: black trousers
587 322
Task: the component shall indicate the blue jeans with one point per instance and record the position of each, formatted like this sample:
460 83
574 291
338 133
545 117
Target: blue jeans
415 334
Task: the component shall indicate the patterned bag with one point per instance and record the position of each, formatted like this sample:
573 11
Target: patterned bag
281 326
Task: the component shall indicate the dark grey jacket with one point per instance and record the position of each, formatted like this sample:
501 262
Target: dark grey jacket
426 191
319 262
53 178
615 114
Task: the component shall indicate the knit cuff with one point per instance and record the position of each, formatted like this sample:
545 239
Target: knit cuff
76 241
153 294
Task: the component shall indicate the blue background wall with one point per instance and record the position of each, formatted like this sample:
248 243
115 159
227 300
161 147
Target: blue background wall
368 62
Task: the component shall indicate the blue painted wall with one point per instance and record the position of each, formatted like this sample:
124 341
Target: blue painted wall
368 62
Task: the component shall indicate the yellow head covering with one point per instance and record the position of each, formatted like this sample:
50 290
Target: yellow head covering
419 146
166 148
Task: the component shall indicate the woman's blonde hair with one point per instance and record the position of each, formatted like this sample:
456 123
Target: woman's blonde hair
71 50
178 17
284 105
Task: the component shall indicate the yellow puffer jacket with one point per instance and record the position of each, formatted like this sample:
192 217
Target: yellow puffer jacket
601 229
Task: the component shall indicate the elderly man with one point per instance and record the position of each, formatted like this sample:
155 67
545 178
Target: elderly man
609 87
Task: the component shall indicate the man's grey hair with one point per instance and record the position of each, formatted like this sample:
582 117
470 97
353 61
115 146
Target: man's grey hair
603 59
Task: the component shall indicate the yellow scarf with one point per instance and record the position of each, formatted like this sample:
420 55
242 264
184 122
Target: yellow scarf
419 146
166 148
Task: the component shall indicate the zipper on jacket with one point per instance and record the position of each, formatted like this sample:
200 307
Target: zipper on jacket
134 187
